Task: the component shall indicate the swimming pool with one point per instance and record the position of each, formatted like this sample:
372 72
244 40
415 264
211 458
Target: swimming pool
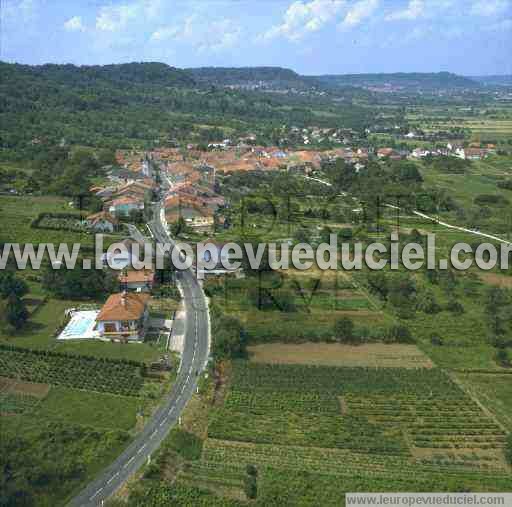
81 325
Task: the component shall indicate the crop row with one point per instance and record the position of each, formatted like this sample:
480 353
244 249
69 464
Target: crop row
266 402
71 371
272 377
306 429
16 403
331 461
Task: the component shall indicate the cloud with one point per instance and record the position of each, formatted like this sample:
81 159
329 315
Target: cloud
488 8
24 9
360 11
165 33
304 17
112 18
74 24
414 10
186 30
505 25
153 8
219 36
211 36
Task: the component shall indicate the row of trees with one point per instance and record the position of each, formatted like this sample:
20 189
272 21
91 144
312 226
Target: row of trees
346 332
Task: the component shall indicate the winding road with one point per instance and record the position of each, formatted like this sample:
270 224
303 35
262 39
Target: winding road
193 360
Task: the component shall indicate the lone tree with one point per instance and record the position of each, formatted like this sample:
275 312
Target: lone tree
11 284
16 313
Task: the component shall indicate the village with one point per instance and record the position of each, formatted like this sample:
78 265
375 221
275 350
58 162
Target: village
185 180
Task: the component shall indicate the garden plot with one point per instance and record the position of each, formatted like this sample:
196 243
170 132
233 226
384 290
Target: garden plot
336 354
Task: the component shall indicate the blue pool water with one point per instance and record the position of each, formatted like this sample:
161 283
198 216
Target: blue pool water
81 325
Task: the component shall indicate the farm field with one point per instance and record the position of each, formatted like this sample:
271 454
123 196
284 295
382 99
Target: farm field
80 408
82 372
101 410
336 354
31 444
18 212
305 435
494 391
296 307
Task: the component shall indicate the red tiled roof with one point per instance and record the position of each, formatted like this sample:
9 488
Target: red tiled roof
102 215
123 306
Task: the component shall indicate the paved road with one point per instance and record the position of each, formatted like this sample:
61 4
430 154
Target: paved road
194 357
455 227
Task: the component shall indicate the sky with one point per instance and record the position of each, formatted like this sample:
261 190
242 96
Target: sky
469 37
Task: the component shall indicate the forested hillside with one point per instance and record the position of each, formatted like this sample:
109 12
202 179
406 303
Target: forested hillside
272 76
142 104
412 81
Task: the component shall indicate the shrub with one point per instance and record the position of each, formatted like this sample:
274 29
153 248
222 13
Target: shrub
436 340
344 330
491 200
251 488
502 358
428 304
508 449
455 307
507 184
251 470
186 444
400 334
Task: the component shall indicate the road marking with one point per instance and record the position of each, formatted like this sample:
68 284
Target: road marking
129 461
113 477
153 434
96 494
140 450
163 422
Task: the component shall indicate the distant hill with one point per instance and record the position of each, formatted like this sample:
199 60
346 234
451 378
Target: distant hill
504 80
402 80
282 78
150 73
261 77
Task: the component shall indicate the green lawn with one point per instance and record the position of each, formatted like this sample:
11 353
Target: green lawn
18 212
100 410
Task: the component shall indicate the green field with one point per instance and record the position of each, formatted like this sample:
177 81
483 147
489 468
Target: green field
494 391
100 410
18 212
304 435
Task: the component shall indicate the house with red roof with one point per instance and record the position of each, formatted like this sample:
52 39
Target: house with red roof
123 317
